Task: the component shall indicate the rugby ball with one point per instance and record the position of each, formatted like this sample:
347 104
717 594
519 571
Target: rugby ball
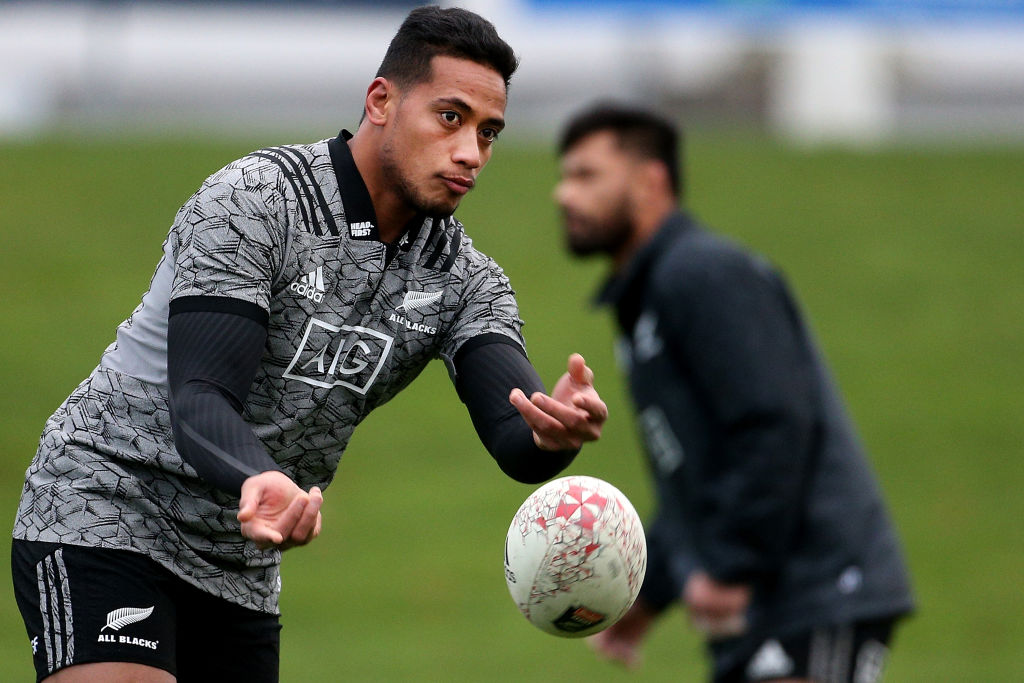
575 556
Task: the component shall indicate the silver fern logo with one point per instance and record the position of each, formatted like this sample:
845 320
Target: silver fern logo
120 618
414 300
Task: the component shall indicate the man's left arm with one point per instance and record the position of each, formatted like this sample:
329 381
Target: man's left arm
531 435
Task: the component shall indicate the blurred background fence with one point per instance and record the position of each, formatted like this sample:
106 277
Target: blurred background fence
811 71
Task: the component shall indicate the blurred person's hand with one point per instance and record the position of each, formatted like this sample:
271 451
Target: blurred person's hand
718 610
621 641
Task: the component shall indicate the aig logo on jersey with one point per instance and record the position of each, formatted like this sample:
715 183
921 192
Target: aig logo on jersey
348 356
310 285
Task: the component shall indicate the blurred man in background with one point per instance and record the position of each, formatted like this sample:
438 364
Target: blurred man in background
770 527
301 287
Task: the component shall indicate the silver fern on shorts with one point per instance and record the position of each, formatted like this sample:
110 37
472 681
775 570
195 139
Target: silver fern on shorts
120 618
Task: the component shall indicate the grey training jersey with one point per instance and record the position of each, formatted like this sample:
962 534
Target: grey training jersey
292 230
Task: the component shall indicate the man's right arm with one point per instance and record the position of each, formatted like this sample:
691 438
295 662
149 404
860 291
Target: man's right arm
214 347
227 243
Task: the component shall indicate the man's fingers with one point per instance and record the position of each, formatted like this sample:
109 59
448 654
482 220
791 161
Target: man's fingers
533 413
590 402
262 534
274 512
266 533
715 606
548 432
538 420
558 426
249 502
569 416
614 649
308 525
720 627
710 599
246 509
586 419
578 370
286 522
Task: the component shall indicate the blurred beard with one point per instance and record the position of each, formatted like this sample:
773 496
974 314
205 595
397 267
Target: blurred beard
587 236
395 175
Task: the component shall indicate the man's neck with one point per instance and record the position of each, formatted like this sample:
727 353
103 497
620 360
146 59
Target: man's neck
645 227
393 214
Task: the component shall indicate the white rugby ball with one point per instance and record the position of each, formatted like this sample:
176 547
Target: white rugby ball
575 556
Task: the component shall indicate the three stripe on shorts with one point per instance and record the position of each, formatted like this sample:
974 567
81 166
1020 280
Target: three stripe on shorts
55 608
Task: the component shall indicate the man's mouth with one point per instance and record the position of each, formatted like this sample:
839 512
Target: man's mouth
458 184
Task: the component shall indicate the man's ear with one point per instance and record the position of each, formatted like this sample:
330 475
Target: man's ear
656 177
380 98
649 186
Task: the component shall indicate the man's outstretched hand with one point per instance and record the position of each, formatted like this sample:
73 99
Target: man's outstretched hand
572 415
274 511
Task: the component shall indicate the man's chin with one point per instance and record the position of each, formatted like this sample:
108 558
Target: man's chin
440 207
584 249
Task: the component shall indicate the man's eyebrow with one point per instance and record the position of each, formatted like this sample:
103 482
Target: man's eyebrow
459 103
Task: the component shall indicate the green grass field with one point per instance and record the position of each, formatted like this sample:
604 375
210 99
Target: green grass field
909 263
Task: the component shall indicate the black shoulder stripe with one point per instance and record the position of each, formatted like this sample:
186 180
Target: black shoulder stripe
289 176
436 225
325 209
453 250
301 178
439 249
294 175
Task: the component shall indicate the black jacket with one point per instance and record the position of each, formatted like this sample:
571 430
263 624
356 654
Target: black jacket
759 475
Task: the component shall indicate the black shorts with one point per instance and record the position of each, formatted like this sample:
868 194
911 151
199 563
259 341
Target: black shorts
848 653
83 604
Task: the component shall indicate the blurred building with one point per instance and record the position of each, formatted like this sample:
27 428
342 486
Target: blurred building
811 71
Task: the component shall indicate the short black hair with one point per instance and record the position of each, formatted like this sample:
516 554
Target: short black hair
639 131
432 31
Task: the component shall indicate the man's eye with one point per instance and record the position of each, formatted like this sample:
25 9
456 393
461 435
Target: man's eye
450 117
489 134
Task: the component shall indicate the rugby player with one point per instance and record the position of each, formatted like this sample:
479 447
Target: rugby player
300 287
771 528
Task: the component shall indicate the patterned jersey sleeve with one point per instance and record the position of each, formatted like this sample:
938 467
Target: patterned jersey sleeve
488 306
229 239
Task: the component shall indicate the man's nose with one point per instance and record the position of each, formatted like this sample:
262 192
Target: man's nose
467 149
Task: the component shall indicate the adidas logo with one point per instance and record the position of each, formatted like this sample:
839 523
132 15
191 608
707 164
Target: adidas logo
771 661
360 229
310 285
